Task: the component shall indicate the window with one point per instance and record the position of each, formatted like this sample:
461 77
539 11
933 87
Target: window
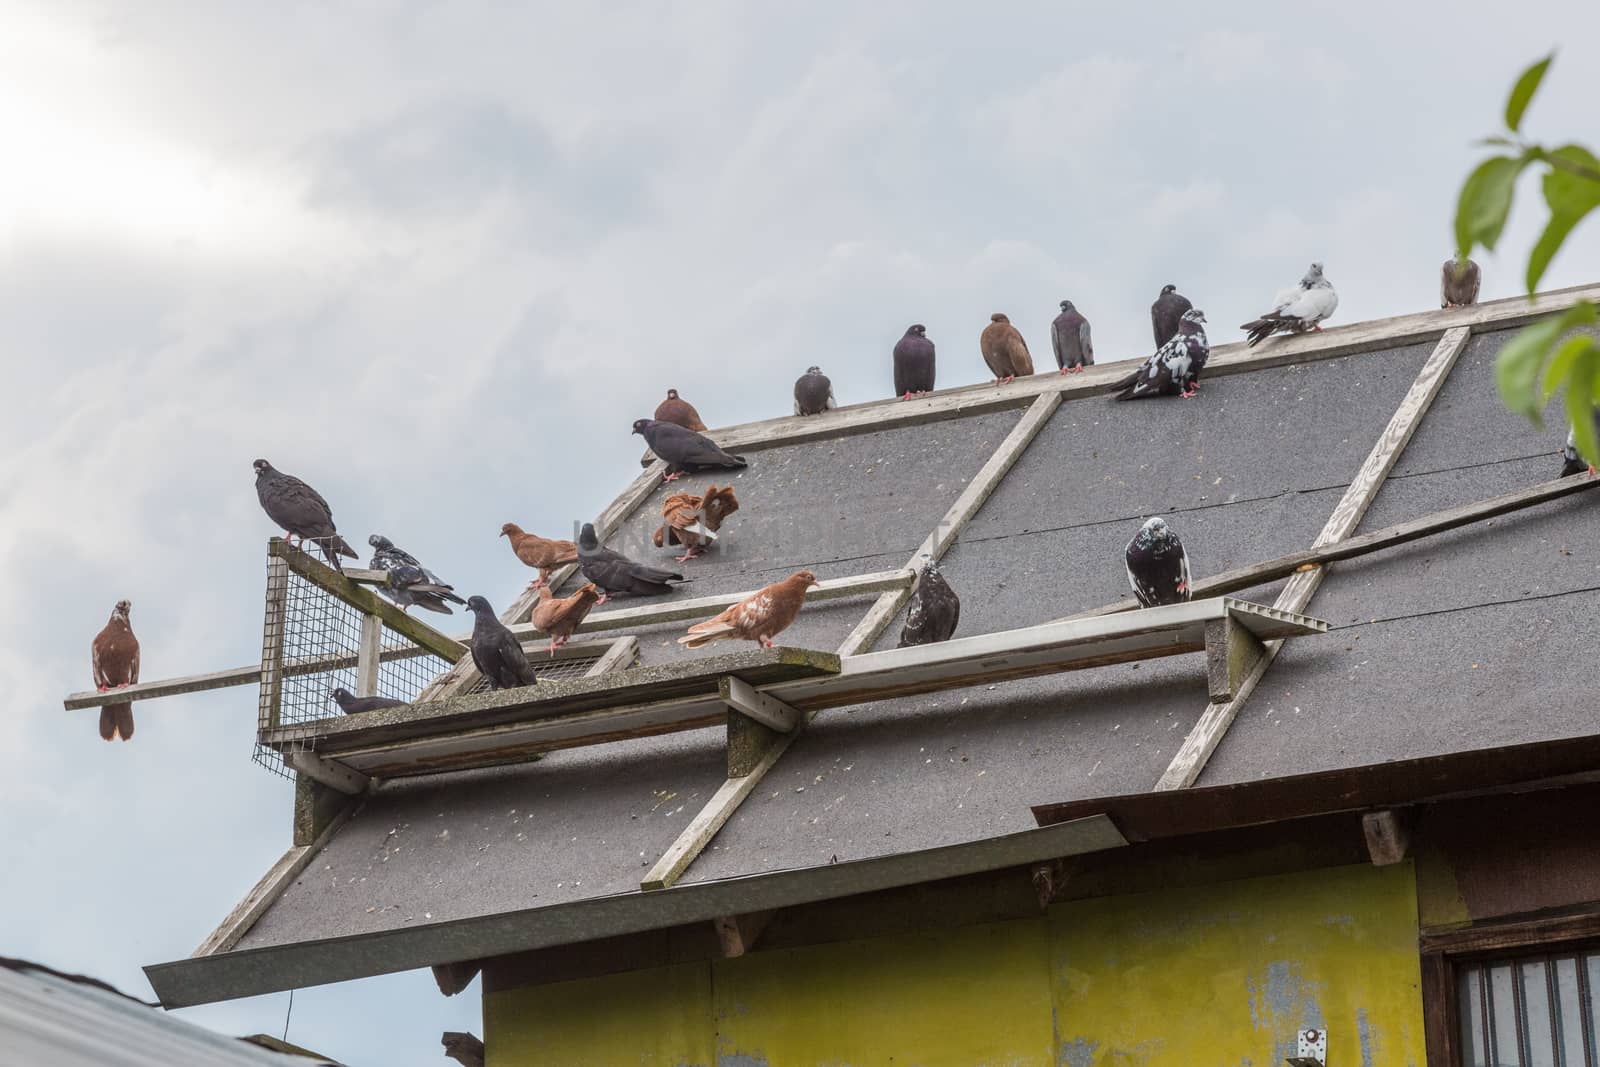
1529 1011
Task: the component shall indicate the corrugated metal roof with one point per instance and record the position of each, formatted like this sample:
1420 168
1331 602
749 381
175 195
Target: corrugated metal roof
51 1021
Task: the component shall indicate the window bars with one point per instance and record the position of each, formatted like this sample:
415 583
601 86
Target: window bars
1532 1011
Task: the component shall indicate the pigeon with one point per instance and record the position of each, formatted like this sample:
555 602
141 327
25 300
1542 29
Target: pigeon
1296 310
813 393
935 609
1572 461
1165 313
1004 350
684 450
114 659
540 552
913 363
559 618
1458 283
1158 567
694 521
351 704
679 412
1175 367
409 582
496 650
759 617
615 573
1069 333
300 510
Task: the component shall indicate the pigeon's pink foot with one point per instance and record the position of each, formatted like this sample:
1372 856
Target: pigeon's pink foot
123 685
603 598
1591 470
1075 370
685 558
672 477
1183 587
102 688
1317 326
1188 395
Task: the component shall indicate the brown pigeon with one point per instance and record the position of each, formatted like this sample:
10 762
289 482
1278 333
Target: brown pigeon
540 552
759 617
1458 283
559 618
693 521
1004 350
675 409
114 657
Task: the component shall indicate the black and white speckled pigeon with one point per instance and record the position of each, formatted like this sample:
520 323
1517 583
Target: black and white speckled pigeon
813 393
615 573
935 609
1458 283
1069 333
300 511
409 582
1165 313
496 650
913 363
1296 310
1572 461
1158 567
684 450
1174 369
351 704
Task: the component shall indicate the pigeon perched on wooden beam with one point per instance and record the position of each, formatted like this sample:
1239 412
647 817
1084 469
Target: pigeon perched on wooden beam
351 704
913 363
1572 461
408 582
935 609
300 511
1069 336
114 660
615 573
559 617
680 412
684 450
540 552
1174 369
1004 350
1165 313
1458 283
496 650
1158 566
1296 310
813 393
759 617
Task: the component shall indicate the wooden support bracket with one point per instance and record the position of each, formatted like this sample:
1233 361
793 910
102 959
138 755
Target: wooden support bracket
367 659
452 978
333 775
1231 653
1049 879
738 933
749 742
769 711
1388 836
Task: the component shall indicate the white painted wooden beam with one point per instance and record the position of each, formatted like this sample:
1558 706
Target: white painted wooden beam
769 711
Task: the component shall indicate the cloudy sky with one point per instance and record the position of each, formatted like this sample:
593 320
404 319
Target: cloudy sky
435 261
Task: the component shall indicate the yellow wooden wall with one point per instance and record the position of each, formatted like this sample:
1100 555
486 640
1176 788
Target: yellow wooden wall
1220 974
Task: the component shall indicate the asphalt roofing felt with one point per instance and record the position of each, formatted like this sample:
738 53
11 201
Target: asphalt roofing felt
1476 638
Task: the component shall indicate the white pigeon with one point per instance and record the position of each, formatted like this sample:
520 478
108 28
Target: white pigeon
1296 310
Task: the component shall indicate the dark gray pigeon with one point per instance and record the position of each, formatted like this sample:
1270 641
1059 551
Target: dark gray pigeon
1458 283
300 511
935 609
684 450
813 393
615 573
409 582
496 650
913 363
1165 313
1158 567
351 704
1573 461
1175 367
1070 336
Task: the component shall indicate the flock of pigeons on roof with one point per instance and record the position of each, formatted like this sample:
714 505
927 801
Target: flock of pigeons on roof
1157 564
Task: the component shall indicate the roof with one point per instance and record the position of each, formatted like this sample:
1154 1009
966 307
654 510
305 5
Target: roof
56 1019
1470 640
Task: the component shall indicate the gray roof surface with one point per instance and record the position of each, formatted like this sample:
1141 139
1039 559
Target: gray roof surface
1249 470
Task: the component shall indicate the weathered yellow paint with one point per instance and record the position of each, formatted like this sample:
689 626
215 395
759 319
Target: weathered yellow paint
1227 973
963 997
1201 976
659 1017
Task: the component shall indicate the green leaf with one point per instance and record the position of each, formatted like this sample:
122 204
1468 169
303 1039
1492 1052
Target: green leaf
1545 249
1571 196
1522 92
1580 397
1486 201
1560 368
1517 368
